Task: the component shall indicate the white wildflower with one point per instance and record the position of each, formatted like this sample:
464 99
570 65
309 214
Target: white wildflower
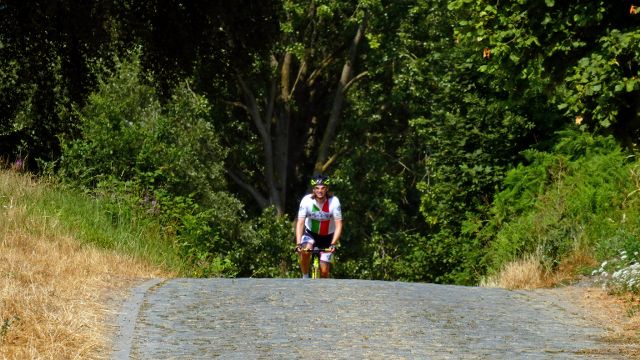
617 274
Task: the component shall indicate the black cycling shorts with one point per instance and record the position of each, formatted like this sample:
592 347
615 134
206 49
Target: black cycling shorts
321 241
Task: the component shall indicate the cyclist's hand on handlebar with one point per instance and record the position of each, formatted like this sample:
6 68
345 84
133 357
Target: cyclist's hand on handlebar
332 248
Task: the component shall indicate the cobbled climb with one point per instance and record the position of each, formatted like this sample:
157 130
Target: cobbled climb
349 319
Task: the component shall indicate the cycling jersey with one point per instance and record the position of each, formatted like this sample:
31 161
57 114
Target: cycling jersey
320 219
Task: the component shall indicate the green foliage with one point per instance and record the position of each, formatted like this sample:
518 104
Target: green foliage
438 137
427 134
114 223
270 251
571 198
442 257
377 212
45 51
583 56
598 86
165 159
127 134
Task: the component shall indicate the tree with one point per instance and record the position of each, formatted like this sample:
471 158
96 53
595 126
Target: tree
583 55
287 96
446 132
45 51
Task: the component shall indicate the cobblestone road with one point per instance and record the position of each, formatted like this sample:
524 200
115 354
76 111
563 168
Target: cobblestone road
350 319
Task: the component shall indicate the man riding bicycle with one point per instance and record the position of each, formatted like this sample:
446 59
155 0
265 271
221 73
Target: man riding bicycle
319 225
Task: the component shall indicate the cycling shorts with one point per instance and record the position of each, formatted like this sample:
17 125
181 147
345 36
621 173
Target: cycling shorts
319 241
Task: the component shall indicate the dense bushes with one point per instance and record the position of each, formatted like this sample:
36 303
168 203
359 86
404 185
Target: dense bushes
581 195
167 160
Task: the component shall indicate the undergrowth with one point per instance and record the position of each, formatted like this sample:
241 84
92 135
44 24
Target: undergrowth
114 225
582 196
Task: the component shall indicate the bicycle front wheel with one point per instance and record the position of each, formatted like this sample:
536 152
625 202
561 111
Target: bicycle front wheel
315 271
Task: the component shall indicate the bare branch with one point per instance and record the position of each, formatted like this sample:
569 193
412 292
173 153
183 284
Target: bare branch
355 79
264 129
331 160
310 34
252 107
239 105
239 180
273 91
323 65
301 72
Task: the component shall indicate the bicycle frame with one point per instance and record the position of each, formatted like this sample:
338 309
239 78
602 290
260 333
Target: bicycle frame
314 268
314 264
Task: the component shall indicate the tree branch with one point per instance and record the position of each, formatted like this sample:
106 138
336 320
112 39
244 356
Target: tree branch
239 105
264 129
331 160
345 78
238 179
253 110
323 65
272 93
355 79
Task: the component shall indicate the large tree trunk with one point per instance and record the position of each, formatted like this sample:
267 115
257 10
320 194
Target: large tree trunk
281 138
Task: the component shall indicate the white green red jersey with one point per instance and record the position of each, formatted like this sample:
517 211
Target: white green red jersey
320 218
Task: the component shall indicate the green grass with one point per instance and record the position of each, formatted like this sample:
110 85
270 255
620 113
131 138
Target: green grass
100 222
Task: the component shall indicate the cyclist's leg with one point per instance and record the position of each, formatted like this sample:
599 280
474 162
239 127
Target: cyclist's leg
325 267
305 256
325 256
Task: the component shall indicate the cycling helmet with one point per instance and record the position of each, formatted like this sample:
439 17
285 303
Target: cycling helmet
320 180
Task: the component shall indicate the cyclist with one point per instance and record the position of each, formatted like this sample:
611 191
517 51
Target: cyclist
319 225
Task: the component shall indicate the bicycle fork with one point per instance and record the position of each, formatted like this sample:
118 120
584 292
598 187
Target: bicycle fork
315 267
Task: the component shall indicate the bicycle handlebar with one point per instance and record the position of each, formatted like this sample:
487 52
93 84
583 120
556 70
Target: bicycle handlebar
315 250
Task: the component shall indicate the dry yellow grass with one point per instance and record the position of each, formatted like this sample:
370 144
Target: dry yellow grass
529 273
56 295
525 273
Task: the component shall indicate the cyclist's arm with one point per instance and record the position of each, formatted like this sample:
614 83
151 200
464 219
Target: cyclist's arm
299 230
337 232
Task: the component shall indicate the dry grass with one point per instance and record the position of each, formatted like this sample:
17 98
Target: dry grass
529 273
55 294
525 273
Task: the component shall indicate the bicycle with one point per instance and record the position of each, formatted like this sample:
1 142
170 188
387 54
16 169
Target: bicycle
314 265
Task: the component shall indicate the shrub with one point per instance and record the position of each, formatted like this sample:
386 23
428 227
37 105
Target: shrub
128 135
165 156
621 273
570 198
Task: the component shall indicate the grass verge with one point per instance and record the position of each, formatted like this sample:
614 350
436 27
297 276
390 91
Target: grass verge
57 277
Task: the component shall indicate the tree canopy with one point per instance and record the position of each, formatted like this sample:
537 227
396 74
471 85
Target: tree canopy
221 111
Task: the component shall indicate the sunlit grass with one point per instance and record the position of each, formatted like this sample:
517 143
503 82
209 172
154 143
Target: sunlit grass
59 284
530 273
525 273
94 221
